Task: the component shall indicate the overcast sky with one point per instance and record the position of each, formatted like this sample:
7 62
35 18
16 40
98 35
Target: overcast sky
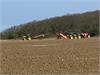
15 12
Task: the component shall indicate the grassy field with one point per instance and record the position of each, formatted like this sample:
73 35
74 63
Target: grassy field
50 56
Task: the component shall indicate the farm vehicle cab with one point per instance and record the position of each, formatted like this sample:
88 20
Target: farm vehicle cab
27 38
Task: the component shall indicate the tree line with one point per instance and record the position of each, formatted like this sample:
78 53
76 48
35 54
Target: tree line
81 22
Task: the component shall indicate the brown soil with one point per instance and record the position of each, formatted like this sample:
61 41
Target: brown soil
77 56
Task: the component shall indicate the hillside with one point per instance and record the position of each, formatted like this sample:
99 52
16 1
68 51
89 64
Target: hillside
81 22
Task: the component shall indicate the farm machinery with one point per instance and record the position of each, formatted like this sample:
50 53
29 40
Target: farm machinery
73 35
28 37
65 35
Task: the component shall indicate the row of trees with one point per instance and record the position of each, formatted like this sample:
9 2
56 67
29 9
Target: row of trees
85 22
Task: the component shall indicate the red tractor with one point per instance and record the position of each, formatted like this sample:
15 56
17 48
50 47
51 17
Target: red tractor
85 35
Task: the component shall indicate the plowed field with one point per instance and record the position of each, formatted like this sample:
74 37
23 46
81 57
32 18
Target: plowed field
77 56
